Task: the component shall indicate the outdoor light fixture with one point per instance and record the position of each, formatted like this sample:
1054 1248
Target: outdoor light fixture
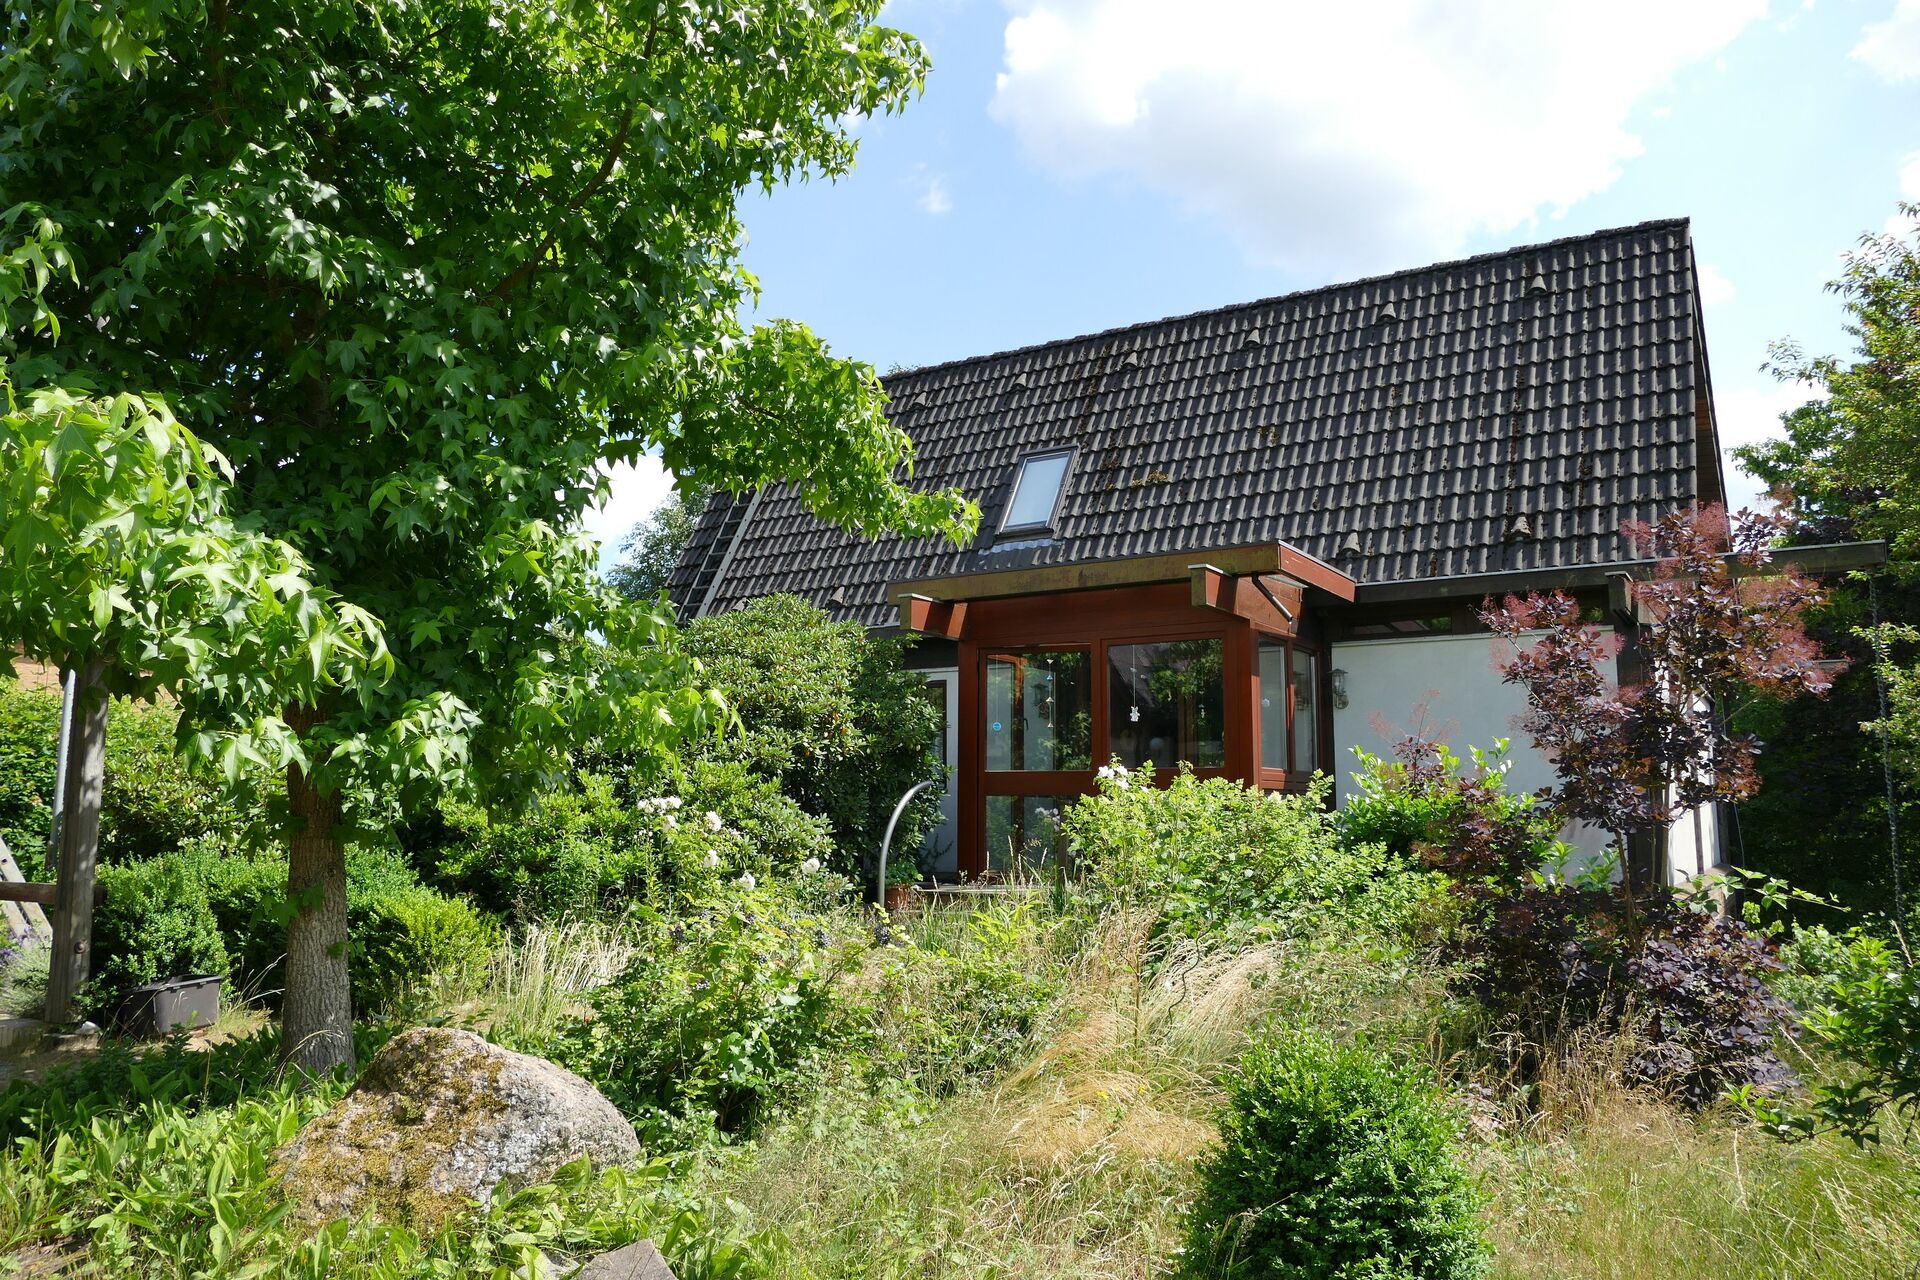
1339 689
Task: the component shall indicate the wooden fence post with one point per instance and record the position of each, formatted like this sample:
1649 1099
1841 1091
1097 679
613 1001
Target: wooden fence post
79 843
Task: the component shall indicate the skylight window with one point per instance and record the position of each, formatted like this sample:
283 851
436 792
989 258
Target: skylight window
1036 491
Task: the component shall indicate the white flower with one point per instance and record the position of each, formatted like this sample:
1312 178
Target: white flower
713 860
672 802
746 880
810 866
713 821
670 821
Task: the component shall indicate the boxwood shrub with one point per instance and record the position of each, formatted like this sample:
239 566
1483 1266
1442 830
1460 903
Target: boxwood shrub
1334 1163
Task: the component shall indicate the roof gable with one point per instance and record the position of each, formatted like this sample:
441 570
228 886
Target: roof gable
1503 412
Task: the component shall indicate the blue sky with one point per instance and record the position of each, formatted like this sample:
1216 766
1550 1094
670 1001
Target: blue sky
1080 164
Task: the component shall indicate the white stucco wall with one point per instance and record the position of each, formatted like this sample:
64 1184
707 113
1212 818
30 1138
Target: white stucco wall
1449 686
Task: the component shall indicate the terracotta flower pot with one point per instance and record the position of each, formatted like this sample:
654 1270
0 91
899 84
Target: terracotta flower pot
899 897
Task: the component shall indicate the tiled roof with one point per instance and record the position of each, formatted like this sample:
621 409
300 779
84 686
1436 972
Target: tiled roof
1503 412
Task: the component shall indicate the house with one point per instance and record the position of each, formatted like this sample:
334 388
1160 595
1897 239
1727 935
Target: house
1253 539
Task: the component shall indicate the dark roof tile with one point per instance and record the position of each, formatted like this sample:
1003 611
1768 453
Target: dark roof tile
1503 412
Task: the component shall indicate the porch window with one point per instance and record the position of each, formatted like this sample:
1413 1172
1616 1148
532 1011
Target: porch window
1039 710
1166 703
1024 831
1306 711
1273 703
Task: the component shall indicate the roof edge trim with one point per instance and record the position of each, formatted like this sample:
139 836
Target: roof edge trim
1827 557
1090 575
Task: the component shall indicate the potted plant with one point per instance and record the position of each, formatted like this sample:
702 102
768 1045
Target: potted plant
901 877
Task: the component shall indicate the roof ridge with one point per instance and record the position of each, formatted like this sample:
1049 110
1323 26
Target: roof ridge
1605 233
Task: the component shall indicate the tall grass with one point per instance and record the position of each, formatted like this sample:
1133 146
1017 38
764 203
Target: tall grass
1076 1160
545 972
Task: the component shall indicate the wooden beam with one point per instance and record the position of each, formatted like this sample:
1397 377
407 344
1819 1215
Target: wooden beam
1092 575
932 617
40 894
1274 606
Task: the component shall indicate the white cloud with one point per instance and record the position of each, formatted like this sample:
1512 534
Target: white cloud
1715 288
1748 413
934 197
1892 47
1350 135
637 488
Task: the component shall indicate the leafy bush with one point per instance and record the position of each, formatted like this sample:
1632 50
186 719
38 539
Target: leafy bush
592 849
726 1013
1403 809
1216 856
949 1010
1859 999
404 937
577 851
1555 958
207 909
829 712
150 802
154 922
1334 1163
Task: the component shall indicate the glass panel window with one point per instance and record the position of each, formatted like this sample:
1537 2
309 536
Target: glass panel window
1039 710
1306 711
1273 703
1166 703
1023 832
1036 491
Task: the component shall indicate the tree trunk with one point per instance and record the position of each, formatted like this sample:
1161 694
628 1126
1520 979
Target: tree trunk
86 746
316 1017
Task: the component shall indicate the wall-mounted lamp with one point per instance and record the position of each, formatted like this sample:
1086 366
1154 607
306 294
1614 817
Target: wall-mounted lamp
1339 689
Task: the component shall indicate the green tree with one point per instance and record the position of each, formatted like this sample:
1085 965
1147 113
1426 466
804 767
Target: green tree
1852 455
419 270
653 547
118 563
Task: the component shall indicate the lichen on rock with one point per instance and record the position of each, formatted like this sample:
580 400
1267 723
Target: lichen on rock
440 1118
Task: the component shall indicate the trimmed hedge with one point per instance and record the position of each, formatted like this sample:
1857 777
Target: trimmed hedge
1334 1163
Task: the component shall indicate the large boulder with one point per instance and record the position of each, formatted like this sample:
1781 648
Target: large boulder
438 1120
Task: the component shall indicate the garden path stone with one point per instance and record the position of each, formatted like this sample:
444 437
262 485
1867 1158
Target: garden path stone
440 1118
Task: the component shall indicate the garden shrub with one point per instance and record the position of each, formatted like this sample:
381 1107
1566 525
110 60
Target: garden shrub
947 1012
1218 856
1334 1163
402 937
829 712
1859 1001
154 922
592 848
207 909
575 851
727 1012
150 802
1558 958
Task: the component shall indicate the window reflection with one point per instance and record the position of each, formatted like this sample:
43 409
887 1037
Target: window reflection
1039 710
1166 702
1306 711
1273 703
1023 832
